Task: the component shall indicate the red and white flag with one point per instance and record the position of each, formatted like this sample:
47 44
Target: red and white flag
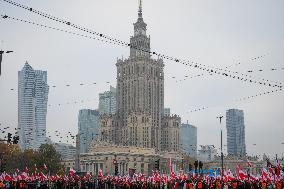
264 173
100 174
230 175
7 177
242 175
72 172
44 166
270 169
35 168
42 176
24 176
170 165
26 170
249 164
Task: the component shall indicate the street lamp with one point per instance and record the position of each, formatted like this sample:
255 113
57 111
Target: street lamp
222 155
1 54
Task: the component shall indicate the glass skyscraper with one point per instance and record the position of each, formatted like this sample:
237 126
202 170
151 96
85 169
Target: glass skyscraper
235 132
32 107
188 139
88 126
107 102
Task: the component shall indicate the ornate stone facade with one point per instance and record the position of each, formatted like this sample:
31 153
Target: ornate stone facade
170 133
101 155
140 98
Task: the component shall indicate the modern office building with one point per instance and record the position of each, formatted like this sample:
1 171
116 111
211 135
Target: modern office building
88 128
107 102
188 139
167 111
67 151
235 132
32 107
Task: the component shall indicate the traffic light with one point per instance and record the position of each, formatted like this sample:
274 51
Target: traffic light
9 138
16 139
157 164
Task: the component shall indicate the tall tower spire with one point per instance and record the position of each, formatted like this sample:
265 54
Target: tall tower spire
140 9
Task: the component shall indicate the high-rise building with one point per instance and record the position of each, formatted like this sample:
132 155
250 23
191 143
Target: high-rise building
167 111
140 97
88 127
235 132
188 139
67 151
107 102
32 107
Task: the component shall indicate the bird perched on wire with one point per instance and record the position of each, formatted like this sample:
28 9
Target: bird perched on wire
1 54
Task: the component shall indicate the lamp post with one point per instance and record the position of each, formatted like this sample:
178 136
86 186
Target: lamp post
1 162
222 155
1 54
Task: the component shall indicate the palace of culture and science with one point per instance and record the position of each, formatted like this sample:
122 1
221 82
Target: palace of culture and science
139 132
139 120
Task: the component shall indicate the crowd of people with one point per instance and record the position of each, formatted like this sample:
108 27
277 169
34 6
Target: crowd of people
268 179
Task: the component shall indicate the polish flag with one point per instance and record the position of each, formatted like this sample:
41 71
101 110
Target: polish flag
249 164
230 175
173 176
238 167
170 165
44 166
264 173
72 172
277 168
242 175
57 177
8 178
35 168
42 176
26 170
51 178
253 178
270 169
24 176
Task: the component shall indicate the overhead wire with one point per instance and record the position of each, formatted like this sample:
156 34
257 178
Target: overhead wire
107 39
186 77
209 69
82 35
237 100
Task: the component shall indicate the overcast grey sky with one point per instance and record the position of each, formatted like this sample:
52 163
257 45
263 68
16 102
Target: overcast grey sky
215 33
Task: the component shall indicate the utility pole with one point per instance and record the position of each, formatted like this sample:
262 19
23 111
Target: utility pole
222 155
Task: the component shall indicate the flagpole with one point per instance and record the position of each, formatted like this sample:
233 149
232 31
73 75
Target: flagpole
222 155
49 178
